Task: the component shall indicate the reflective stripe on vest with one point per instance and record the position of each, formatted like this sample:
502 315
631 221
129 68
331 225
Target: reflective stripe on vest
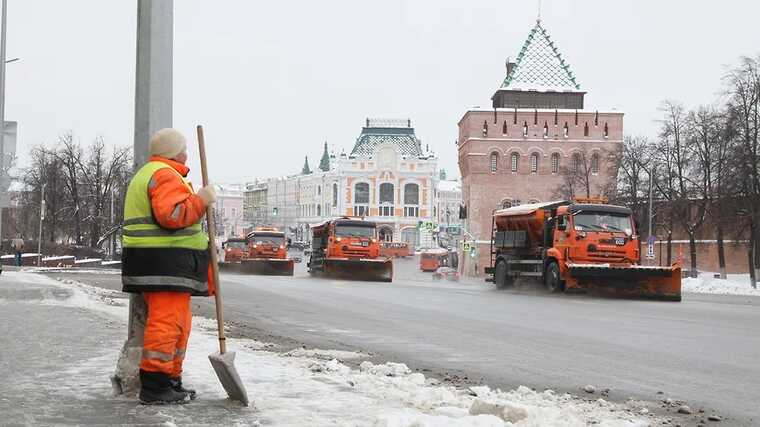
140 228
160 283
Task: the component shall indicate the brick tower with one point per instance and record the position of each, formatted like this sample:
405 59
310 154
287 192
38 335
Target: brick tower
535 142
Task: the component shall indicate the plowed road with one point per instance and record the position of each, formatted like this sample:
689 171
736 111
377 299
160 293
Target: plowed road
704 350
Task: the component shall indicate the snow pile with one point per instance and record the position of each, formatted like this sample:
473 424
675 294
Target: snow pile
706 283
314 388
325 354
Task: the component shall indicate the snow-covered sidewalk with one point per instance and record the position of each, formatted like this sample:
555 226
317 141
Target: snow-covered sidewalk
706 283
297 388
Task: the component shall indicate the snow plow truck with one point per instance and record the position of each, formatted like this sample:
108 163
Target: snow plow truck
348 248
266 254
583 246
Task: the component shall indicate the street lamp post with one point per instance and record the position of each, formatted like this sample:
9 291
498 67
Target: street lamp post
42 217
3 22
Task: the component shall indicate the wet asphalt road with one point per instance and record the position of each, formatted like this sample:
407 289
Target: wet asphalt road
704 350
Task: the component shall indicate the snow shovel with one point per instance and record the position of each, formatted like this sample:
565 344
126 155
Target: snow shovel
223 362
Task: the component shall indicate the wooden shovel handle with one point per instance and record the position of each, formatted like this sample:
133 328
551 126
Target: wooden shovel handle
212 245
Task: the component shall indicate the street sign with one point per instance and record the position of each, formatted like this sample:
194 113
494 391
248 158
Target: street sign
650 251
650 246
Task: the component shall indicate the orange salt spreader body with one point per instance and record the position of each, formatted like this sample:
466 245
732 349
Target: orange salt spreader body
586 246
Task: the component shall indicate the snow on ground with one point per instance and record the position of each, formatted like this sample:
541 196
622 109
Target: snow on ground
706 283
314 388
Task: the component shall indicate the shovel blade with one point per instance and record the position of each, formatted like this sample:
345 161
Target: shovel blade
224 366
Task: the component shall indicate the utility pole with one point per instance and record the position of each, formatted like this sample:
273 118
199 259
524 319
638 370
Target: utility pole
4 21
42 217
651 173
153 111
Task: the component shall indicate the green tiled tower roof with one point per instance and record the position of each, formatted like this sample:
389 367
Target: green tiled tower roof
540 66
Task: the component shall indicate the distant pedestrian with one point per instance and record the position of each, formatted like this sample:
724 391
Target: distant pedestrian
17 245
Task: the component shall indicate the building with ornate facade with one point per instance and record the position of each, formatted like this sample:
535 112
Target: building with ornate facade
229 211
387 177
533 140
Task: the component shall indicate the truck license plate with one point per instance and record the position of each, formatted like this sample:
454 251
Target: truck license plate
620 241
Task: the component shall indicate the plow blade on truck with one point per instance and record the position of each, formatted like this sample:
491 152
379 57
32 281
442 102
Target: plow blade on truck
373 270
635 281
260 267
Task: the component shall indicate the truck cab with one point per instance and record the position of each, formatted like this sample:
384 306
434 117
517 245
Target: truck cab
349 238
267 243
235 249
593 233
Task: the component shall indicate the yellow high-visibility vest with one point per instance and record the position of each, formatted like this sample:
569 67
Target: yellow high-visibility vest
140 227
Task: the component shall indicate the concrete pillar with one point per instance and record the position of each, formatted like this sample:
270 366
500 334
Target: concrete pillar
153 111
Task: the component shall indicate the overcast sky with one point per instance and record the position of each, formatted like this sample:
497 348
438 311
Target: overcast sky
271 81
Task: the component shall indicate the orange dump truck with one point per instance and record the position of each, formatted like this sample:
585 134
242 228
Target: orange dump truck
433 259
262 252
348 248
235 250
395 249
268 253
576 247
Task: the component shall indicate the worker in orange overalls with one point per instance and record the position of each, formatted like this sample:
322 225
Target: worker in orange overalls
165 257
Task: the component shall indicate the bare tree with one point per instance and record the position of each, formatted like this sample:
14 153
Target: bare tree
101 173
680 185
69 154
743 107
581 178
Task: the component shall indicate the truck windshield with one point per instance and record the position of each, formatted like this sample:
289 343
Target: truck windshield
268 240
602 221
355 231
235 245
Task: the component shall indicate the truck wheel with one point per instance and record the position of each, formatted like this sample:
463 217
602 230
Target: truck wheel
500 277
552 279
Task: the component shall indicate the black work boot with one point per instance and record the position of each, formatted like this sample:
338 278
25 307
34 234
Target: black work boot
177 386
156 389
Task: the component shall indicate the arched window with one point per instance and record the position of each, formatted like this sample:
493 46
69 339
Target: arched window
335 196
596 119
361 199
504 128
485 127
555 162
595 163
386 199
494 162
535 117
566 131
606 130
411 200
534 163
576 163
585 129
546 130
319 190
515 161
525 129
319 210
556 117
